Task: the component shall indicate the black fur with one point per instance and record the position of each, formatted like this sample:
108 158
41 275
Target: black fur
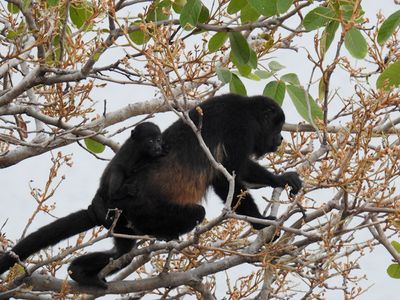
145 143
143 146
162 199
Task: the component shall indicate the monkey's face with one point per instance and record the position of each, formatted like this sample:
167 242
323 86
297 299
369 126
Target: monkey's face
153 146
276 141
268 141
268 136
269 120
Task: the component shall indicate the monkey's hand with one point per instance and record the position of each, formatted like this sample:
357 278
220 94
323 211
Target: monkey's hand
291 179
200 213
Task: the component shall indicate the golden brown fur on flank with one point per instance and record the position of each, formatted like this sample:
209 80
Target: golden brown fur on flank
183 185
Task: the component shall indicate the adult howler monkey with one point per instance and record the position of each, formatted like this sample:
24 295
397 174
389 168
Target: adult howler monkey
163 198
143 146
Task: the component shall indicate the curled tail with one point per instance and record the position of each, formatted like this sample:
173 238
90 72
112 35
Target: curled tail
49 235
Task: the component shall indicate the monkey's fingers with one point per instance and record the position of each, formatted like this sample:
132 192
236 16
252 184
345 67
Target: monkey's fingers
295 183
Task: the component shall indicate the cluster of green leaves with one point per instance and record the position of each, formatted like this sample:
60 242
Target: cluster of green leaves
242 56
79 11
354 40
394 269
191 13
251 10
276 89
80 14
328 17
246 62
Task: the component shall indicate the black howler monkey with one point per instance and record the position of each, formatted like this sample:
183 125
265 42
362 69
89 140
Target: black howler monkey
163 199
143 146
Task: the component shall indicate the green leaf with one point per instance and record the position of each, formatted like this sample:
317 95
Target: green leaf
347 12
80 13
12 8
190 14
97 54
235 6
388 27
283 5
159 11
396 245
17 269
303 101
355 43
275 66
253 60
244 69
390 77
240 47
317 18
265 7
224 75
254 77
291 78
204 14
11 34
217 41
53 3
94 146
321 89
275 90
236 86
138 36
263 74
248 14
327 36
394 271
178 5
26 4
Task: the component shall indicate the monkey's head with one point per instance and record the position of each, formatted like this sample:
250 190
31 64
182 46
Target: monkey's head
147 137
270 119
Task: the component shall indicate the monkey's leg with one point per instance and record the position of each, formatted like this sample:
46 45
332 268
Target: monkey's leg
86 268
164 219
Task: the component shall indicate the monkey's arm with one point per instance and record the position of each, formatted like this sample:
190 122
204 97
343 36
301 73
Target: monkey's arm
115 181
255 176
243 202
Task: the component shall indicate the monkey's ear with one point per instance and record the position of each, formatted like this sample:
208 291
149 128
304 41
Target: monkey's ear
274 115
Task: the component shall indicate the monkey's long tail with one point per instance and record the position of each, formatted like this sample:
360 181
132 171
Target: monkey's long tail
48 235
